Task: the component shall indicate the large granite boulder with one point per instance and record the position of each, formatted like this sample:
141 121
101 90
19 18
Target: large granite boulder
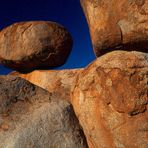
57 82
31 117
26 46
117 24
110 99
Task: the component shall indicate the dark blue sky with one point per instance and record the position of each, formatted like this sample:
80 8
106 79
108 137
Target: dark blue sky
66 12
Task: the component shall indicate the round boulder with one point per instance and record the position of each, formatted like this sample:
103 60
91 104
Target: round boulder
110 99
26 46
31 117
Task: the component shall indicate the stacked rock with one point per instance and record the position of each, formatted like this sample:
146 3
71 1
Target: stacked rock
109 96
29 115
26 46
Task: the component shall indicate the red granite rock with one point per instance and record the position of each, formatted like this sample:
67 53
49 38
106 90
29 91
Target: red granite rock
116 24
38 44
110 99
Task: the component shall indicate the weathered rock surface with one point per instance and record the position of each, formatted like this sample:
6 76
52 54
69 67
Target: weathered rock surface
116 24
29 45
30 117
57 82
111 99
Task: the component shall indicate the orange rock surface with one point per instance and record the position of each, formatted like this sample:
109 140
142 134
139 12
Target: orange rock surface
117 24
110 99
25 46
58 81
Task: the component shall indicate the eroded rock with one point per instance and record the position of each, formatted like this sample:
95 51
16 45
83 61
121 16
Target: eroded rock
31 117
116 24
26 46
57 82
110 99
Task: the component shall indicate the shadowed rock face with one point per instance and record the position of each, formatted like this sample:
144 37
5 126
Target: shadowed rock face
57 82
110 99
25 46
31 117
116 24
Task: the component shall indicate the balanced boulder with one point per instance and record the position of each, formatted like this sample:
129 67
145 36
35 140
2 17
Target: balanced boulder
116 24
110 99
31 117
26 46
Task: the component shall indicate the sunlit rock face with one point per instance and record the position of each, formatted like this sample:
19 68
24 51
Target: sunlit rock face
26 46
32 117
110 99
57 82
116 24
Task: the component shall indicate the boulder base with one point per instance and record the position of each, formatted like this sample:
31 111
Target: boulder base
31 117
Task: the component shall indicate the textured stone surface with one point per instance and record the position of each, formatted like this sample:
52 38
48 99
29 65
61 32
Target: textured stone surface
31 117
29 45
57 82
116 24
110 99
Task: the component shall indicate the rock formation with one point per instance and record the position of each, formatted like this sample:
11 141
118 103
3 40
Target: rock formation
109 96
31 117
57 82
29 45
110 99
116 24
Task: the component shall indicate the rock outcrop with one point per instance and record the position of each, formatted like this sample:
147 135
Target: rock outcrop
104 105
26 46
57 82
31 117
117 24
111 99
